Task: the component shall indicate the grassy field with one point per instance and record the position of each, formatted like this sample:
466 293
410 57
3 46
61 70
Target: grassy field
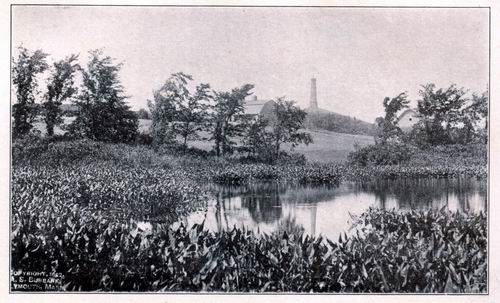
332 147
327 147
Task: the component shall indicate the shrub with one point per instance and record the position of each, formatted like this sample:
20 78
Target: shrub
305 174
28 148
60 151
381 154
71 151
291 159
178 150
144 139
283 158
451 155
354 173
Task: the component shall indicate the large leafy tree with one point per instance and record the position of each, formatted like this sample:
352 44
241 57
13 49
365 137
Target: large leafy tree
440 111
103 112
60 87
478 111
474 120
179 111
265 137
227 118
286 126
388 125
24 77
162 116
258 141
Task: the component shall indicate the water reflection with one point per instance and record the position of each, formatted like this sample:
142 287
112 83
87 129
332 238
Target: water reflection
455 194
268 206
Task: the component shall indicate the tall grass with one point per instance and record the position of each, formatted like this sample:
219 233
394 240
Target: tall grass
392 252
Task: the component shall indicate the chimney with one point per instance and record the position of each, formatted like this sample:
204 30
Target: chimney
313 101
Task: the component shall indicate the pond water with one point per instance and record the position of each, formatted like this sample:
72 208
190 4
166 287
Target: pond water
268 206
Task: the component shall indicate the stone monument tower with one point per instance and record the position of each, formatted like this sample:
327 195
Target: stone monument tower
313 101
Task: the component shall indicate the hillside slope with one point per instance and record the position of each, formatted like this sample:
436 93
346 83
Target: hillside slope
331 121
331 146
328 146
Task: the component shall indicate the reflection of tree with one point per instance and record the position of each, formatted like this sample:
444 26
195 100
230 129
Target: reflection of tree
220 210
263 201
310 194
423 193
465 188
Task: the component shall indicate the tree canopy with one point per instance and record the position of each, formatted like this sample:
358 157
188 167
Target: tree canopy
440 112
103 113
60 87
227 118
178 110
24 77
388 128
265 138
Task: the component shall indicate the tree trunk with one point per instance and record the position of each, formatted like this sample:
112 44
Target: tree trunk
223 138
217 147
50 129
185 143
217 134
277 152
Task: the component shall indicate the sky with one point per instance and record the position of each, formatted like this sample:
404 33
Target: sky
358 55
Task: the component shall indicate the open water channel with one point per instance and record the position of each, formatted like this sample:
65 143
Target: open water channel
268 206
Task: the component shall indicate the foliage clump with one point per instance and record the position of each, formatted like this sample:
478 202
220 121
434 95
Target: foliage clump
24 77
103 114
381 154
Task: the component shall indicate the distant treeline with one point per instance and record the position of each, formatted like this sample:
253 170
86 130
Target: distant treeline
340 124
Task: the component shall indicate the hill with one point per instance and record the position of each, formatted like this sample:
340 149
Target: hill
328 146
331 146
326 120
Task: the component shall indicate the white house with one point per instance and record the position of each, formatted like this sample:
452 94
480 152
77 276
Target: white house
407 119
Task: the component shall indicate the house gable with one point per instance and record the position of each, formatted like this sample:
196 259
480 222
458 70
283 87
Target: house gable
255 108
407 119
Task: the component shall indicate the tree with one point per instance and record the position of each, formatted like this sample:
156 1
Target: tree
472 116
60 88
289 120
264 138
388 126
24 73
478 111
162 116
103 114
143 114
258 141
227 118
440 112
178 112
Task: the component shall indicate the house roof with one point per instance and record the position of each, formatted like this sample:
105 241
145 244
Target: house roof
254 107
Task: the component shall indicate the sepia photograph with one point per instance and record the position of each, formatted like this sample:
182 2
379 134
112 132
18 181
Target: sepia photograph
249 149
